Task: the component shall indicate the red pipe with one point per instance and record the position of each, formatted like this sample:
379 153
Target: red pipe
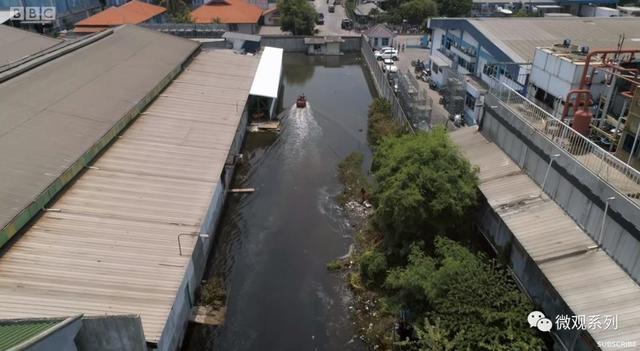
584 81
568 104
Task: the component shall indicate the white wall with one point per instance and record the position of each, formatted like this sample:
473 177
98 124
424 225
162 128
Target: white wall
436 37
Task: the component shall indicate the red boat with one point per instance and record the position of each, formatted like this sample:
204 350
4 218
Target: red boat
301 102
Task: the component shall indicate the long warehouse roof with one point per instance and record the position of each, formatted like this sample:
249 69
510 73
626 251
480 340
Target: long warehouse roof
16 44
591 283
111 245
518 37
51 115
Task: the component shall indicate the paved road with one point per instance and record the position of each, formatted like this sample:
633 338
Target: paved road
439 114
332 21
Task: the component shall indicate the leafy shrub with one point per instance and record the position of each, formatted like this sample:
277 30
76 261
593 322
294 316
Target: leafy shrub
373 268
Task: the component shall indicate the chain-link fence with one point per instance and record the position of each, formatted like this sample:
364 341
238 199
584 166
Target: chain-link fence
384 88
454 92
415 100
190 30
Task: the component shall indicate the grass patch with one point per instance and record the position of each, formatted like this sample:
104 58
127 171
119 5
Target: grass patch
213 294
381 122
336 265
353 178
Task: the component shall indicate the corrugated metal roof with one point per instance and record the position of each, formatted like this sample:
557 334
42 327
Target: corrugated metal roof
132 12
112 248
591 283
241 36
16 332
267 79
227 12
53 114
518 37
17 43
379 31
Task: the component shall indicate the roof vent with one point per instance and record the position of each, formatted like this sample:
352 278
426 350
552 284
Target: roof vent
584 50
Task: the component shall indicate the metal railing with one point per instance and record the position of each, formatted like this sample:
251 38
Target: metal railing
189 30
622 177
383 86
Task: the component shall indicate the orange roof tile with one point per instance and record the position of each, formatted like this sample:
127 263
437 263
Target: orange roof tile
227 11
133 12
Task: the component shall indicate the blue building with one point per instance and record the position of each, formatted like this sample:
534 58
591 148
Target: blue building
502 49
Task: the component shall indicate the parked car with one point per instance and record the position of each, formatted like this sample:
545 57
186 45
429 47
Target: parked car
393 78
389 66
332 9
346 24
320 19
386 53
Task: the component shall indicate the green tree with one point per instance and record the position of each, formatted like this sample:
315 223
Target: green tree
454 8
417 11
297 16
373 268
178 11
475 303
424 187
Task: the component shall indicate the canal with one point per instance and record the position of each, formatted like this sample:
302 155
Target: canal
272 245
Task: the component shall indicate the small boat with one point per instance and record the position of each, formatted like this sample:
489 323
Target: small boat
301 102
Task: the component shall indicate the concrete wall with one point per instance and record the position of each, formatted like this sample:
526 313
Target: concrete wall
578 191
528 275
111 333
59 339
296 43
177 321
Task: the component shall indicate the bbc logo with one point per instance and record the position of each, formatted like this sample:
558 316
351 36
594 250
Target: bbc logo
43 13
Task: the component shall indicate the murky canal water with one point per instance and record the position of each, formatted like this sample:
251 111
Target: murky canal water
273 245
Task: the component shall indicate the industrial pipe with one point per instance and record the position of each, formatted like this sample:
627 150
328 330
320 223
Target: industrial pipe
582 117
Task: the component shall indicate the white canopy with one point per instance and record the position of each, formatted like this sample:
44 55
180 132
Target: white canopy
267 79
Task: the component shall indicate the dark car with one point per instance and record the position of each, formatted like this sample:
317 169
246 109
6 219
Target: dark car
346 24
332 9
320 19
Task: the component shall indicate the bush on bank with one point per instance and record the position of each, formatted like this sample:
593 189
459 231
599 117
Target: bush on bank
381 122
424 186
455 299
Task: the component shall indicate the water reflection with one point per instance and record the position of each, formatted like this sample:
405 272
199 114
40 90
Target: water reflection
273 245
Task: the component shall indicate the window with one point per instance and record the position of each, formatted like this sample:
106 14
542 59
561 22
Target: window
489 70
385 41
375 42
470 102
317 47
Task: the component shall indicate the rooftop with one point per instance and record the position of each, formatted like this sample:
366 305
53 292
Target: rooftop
57 115
132 12
380 30
589 281
16 334
16 44
518 37
266 82
111 245
227 12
